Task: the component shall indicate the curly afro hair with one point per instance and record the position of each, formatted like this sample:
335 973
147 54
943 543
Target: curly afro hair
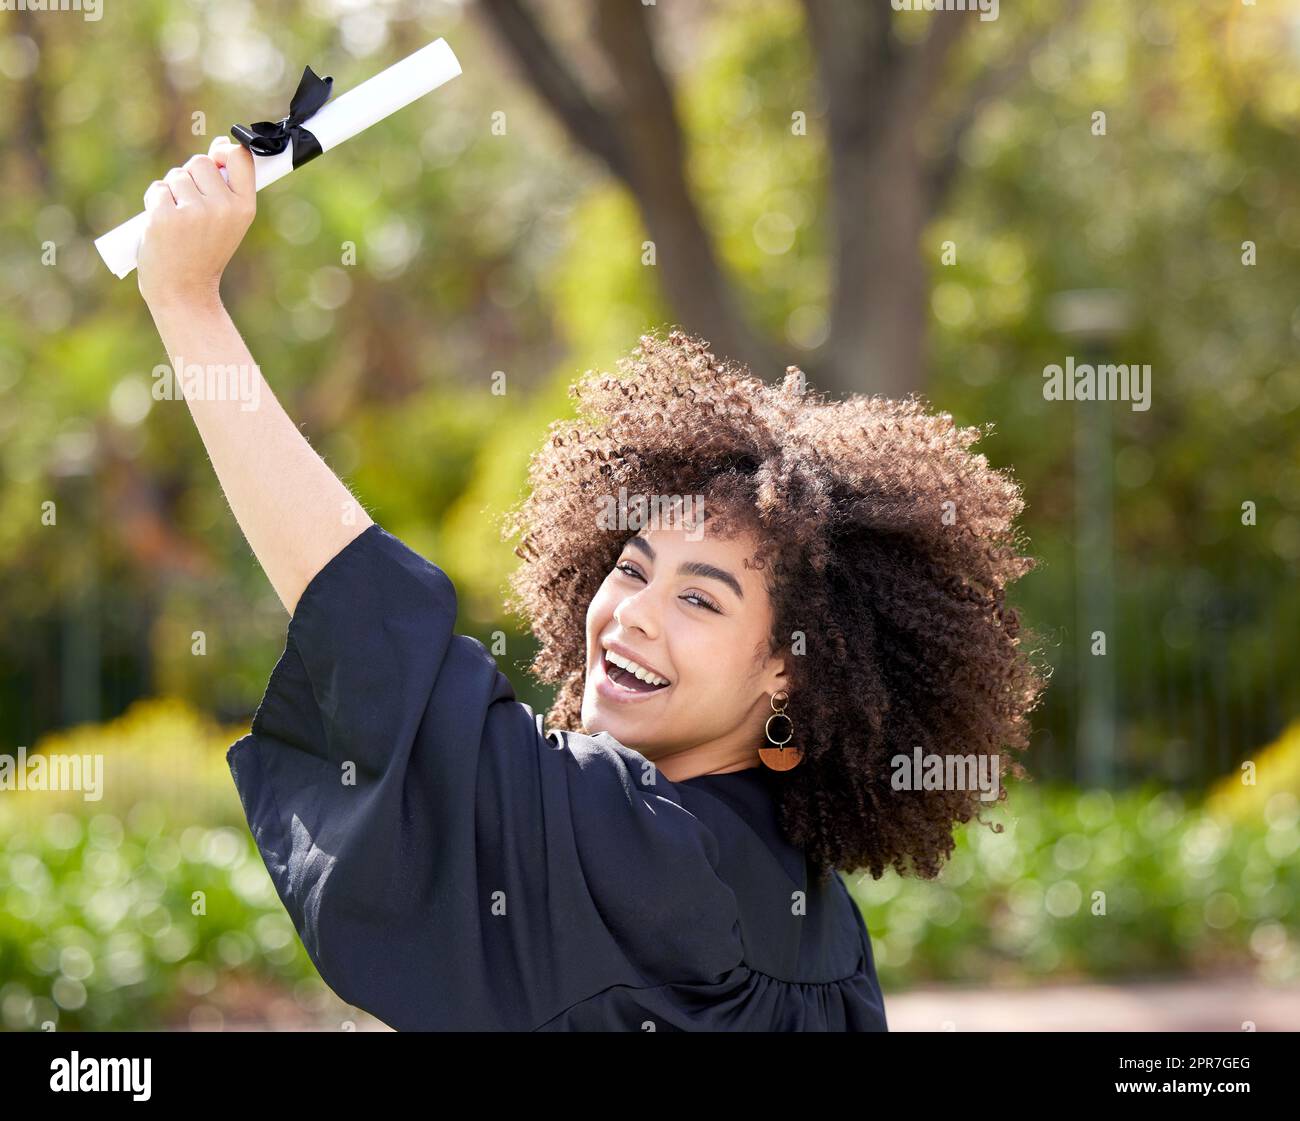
886 546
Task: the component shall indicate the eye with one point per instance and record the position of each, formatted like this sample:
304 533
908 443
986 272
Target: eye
698 599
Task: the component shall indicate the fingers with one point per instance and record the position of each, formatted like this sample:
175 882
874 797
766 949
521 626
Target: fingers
202 177
217 154
183 188
238 162
158 196
206 176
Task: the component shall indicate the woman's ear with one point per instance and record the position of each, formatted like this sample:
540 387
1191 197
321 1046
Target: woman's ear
777 678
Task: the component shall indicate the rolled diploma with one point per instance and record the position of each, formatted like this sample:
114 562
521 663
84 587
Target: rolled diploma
338 120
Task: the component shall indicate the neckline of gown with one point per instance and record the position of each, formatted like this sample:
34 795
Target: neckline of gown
712 774
721 774
749 788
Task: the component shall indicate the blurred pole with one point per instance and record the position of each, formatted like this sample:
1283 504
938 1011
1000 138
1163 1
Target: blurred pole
1091 322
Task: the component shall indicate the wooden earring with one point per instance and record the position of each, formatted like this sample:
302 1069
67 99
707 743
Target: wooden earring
778 757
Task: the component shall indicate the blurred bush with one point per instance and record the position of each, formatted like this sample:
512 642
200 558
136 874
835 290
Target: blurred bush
1268 781
1096 884
135 910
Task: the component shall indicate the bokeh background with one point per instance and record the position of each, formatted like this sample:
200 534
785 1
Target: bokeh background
893 201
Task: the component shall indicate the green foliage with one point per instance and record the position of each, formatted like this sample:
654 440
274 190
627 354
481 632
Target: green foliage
1094 884
132 910
1204 604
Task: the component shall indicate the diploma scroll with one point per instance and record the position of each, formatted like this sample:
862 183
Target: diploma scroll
337 121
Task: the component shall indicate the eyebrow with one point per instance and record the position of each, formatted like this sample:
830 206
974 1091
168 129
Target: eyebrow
693 568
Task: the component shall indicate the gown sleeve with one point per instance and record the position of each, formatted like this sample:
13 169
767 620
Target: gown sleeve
446 864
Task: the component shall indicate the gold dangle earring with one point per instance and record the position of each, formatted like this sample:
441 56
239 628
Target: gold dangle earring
778 757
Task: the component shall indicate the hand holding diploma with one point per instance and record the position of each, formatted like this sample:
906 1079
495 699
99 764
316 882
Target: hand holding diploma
196 216
313 126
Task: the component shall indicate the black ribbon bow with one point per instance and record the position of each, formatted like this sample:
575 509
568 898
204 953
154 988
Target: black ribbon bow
267 138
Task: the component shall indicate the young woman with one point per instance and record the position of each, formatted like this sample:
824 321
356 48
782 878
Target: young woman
817 594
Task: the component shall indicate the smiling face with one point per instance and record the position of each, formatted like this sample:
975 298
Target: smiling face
678 659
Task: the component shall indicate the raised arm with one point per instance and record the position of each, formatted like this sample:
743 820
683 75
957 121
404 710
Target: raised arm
294 511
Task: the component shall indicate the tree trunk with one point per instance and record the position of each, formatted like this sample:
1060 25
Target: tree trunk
878 311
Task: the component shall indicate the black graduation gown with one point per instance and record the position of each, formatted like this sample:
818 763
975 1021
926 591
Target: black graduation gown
449 866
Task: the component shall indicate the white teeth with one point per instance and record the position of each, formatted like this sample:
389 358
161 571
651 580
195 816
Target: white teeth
634 669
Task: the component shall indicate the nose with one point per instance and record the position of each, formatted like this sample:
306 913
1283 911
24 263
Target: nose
638 612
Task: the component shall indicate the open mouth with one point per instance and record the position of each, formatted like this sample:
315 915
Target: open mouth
625 679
